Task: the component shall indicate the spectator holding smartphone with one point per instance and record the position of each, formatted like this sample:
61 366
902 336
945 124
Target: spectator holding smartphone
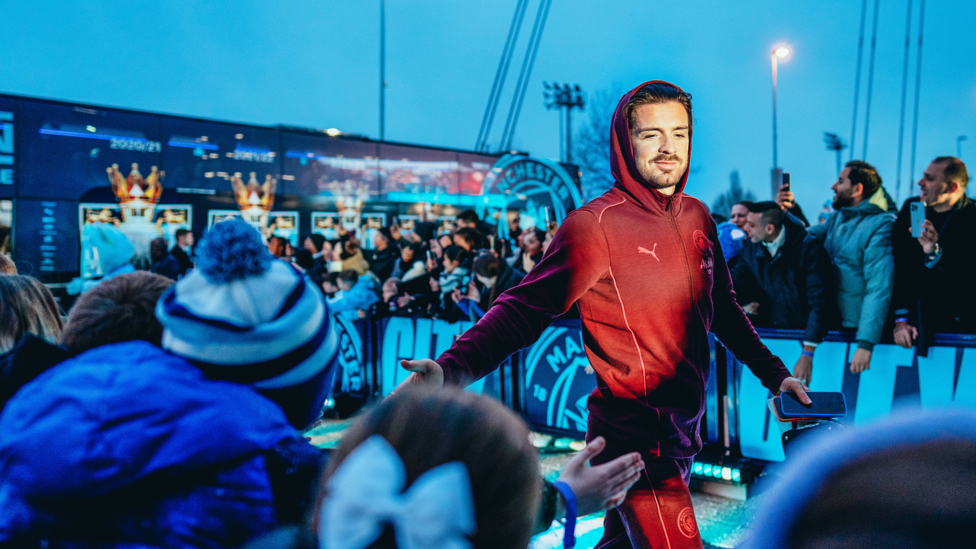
931 268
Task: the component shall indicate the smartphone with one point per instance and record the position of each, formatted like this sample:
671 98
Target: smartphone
918 218
824 406
786 181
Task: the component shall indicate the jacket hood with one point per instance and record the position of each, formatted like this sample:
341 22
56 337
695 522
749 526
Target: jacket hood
877 204
624 166
122 413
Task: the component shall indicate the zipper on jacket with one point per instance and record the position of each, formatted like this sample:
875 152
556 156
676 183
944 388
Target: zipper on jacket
688 277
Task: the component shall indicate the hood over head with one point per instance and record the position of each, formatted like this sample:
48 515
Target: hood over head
623 165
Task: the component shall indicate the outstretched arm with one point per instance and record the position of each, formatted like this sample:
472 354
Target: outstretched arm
577 258
734 330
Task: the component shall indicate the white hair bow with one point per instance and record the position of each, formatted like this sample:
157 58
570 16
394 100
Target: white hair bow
366 493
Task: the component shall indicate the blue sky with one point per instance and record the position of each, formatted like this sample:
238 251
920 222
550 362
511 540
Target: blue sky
315 64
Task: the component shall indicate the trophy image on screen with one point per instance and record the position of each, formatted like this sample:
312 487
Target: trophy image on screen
255 200
350 198
137 198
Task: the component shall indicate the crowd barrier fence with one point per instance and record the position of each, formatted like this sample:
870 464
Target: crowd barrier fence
549 381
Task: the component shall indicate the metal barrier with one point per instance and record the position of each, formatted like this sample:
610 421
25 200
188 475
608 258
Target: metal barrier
549 382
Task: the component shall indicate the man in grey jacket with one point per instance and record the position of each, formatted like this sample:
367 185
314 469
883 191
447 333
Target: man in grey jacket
857 237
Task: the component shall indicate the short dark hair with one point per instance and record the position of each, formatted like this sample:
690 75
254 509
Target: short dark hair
158 249
456 253
468 216
770 213
955 170
866 175
332 278
385 231
747 203
657 92
469 235
349 275
122 308
180 233
317 240
487 265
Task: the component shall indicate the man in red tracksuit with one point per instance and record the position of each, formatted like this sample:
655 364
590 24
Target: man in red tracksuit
642 265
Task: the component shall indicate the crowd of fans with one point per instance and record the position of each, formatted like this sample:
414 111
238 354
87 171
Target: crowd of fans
427 271
861 267
170 414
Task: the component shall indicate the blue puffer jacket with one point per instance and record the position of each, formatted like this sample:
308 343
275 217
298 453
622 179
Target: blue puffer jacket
128 446
858 241
361 296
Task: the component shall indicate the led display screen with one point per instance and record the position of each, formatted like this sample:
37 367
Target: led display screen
330 167
204 157
8 150
47 239
415 174
67 151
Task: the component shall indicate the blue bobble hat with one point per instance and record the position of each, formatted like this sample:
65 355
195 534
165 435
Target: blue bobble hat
246 317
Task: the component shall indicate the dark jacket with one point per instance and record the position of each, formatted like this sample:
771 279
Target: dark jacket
937 299
185 262
169 267
508 278
382 262
858 241
30 358
793 286
650 282
126 445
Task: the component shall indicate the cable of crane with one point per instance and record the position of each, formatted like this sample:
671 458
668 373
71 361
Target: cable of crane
500 74
857 73
867 106
918 85
904 97
523 81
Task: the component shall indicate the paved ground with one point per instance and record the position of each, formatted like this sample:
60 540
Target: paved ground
723 522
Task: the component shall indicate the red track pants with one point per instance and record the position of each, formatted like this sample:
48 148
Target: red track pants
657 512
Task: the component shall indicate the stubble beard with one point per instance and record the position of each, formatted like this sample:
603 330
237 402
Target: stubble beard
659 180
842 201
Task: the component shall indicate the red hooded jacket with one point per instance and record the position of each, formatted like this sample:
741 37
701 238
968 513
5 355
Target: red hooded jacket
650 282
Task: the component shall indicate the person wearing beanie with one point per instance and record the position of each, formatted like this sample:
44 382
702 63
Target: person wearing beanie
240 316
108 253
195 445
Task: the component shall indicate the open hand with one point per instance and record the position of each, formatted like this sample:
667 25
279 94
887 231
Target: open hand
424 371
604 486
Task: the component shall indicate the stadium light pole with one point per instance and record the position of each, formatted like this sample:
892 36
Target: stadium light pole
779 52
382 70
565 97
959 141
